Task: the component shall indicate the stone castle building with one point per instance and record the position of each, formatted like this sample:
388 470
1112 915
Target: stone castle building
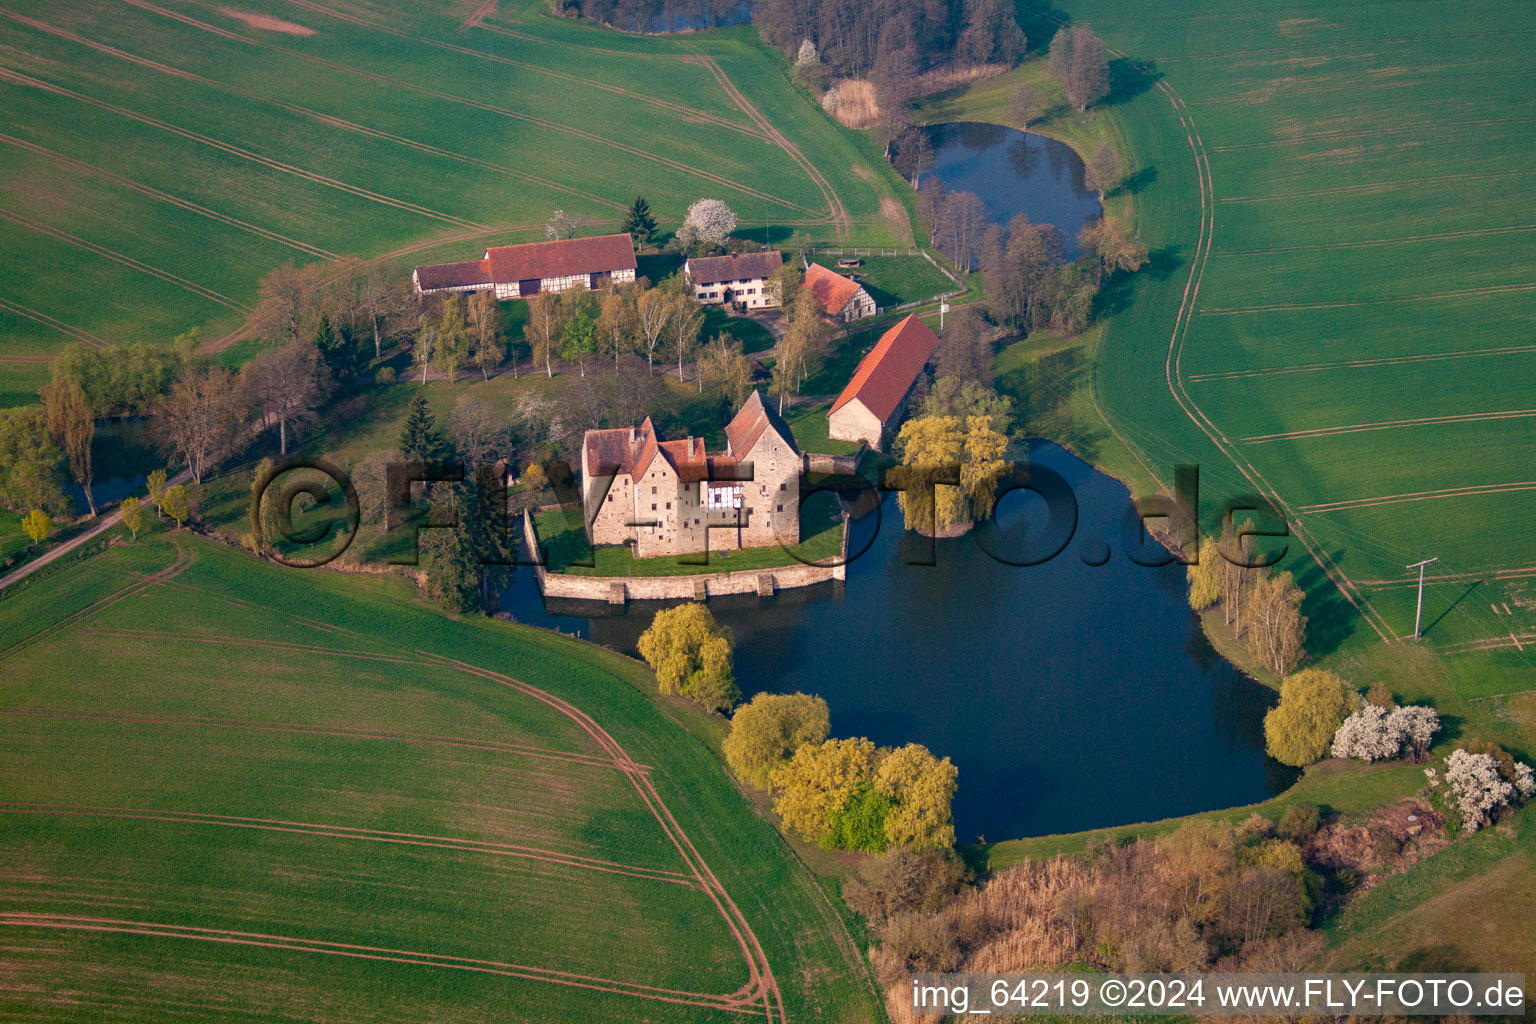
673 497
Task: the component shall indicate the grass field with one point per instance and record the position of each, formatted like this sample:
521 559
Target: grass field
159 158
894 280
221 769
1335 208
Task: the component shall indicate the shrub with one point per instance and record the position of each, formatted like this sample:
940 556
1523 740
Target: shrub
768 730
385 375
1479 787
691 655
1299 822
1375 734
860 823
1313 704
900 880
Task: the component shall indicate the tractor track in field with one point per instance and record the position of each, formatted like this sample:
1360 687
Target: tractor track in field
541 122
1470 491
47 321
81 167
1376 243
1380 186
302 111
761 987
680 109
355 834
415 958
1354 134
1178 389
479 14
98 249
1362 428
138 586
252 725
1342 364
1392 300
236 151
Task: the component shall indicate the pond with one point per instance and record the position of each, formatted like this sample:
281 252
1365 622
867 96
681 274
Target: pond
1070 695
1015 172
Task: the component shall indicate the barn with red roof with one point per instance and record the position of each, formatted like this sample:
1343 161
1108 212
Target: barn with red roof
871 404
521 271
841 298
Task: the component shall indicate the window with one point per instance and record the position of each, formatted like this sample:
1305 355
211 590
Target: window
728 496
669 506
653 506
610 497
653 490
781 508
783 487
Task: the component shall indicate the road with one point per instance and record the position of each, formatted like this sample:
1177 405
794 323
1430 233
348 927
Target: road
96 529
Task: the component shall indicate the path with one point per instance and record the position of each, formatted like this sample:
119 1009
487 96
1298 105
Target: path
102 524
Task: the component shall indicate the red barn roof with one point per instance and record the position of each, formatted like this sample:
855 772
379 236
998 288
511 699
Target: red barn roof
888 371
510 263
833 291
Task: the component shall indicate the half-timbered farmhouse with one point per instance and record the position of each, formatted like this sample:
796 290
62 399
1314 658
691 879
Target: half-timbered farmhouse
842 298
739 280
673 497
519 271
871 405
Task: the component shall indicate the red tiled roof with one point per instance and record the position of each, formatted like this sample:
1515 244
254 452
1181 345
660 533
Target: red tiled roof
736 267
509 263
832 290
749 423
453 275
885 375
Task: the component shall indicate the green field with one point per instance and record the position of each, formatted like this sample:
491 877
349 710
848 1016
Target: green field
309 782
157 160
1335 207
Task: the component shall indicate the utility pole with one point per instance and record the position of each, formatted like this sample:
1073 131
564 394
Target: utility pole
1418 616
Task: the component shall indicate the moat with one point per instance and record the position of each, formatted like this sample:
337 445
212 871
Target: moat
1070 695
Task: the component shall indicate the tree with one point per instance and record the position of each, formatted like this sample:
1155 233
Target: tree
177 504
965 352
155 482
1114 245
932 447
424 348
1205 578
983 465
452 339
450 573
546 319
121 380
691 655
37 525
1102 172
380 299
287 299
1480 787
991 34
480 434
639 221
1276 627
683 325
783 283
562 226
615 323
485 322
287 384
922 789
1025 106
1313 704
950 396
334 351
1079 62
653 311
133 515
200 419
723 369
420 440
817 781
1375 733
578 337
766 732
73 426
708 222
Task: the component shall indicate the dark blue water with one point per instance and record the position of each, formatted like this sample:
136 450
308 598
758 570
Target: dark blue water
1070 696
1014 172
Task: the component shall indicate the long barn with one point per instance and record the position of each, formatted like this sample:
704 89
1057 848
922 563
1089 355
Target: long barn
519 271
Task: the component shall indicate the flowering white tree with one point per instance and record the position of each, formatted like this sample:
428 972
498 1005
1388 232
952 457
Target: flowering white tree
709 221
1477 787
1375 734
807 54
562 226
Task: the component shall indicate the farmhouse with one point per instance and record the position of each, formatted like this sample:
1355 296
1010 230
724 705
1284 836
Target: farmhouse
872 402
843 298
740 279
673 497
518 271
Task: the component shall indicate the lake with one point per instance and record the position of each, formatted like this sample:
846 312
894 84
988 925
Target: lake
1014 172
1070 695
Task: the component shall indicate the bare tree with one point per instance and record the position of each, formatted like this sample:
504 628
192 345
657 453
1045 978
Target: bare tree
1079 62
546 318
686 320
200 417
562 226
480 434
485 323
1025 105
288 385
73 426
289 299
652 312
381 299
